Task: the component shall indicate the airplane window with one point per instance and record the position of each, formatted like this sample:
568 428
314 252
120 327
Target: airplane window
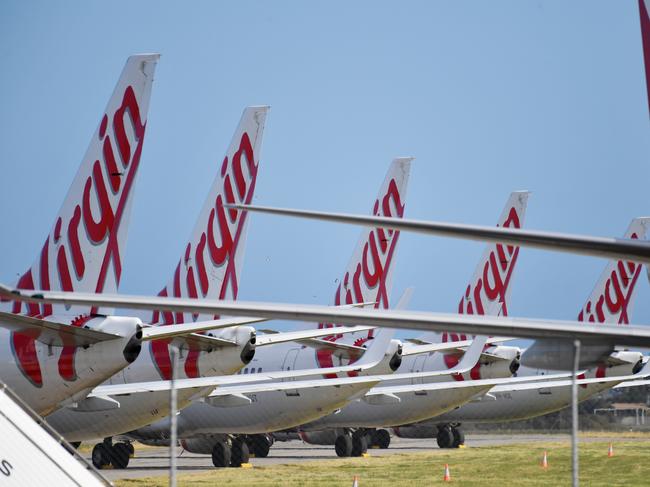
259 370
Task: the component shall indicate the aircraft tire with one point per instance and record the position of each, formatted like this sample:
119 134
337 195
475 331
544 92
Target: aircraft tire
381 438
100 456
75 444
221 454
343 445
240 453
459 437
261 444
119 454
131 449
445 437
359 445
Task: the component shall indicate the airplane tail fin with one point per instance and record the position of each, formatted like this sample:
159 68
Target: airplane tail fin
488 292
611 299
644 8
212 259
368 276
83 251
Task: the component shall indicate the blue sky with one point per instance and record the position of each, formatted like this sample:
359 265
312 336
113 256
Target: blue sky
489 97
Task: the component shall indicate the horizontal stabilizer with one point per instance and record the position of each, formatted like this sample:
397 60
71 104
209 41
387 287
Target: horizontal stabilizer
172 331
52 333
271 337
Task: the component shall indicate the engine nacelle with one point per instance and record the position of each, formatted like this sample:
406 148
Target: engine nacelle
507 363
416 431
390 362
202 446
322 437
228 360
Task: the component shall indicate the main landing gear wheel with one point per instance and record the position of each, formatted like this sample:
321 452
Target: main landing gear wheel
359 445
343 445
100 456
445 438
240 453
260 445
221 454
381 438
120 455
459 437
131 449
75 444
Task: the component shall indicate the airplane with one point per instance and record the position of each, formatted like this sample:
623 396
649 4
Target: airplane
210 265
54 354
487 294
610 302
367 278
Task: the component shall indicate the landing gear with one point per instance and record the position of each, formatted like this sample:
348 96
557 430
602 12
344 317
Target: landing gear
100 456
359 444
259 445
445 438
343 445
450 436
105 454
75 444
120 455
380 438
459 437
240 452
221 454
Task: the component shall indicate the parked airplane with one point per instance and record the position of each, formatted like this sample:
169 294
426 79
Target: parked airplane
367 278
210 265
610 302
53 354
487 294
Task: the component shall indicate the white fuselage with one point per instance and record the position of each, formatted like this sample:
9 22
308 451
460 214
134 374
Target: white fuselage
138 410
419 405
272 410
517 405
52 375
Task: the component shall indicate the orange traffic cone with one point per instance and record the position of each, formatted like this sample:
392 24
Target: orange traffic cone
355 481
447 477
545 460
610 451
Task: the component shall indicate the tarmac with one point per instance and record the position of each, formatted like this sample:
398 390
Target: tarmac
152 462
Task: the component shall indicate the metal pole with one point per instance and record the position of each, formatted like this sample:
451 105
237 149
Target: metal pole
173 352
574 414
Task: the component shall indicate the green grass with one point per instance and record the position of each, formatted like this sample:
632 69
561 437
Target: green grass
512 465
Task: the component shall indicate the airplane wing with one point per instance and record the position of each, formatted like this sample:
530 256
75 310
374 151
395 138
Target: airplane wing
635 336
202 383
172 331
632 383
417 347
510 383
272 337
292 385
607 247
50 332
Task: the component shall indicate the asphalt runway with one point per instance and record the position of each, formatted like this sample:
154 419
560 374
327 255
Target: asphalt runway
152 462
